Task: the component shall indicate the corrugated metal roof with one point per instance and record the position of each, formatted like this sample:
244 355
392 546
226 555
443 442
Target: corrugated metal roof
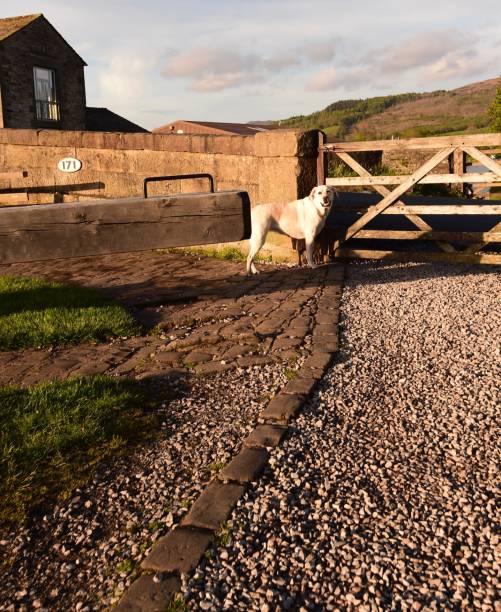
242 129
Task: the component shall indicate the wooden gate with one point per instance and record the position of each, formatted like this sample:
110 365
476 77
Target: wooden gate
452 148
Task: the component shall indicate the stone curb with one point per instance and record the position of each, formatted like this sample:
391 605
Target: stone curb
179 552
214 505
282 407
267 435
147 595
246 466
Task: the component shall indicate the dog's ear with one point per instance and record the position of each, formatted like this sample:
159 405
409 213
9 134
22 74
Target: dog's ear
332 193
312 193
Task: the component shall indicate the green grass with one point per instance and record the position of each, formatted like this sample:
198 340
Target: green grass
216 466
127 566
38 313
228 253
495 193
222 537
178 604
55 433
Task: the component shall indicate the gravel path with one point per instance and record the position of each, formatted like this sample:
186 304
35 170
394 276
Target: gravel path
384 496
84 554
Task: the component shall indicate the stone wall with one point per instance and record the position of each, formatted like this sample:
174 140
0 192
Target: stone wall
408 161
274 166
38 44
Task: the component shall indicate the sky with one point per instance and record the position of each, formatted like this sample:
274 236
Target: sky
249 60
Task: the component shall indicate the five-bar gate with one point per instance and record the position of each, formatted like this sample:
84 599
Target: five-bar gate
452 148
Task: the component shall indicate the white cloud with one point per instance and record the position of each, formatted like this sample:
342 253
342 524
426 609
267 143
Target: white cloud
421 49
318 52
218 82
324 80
123 78
198 61
348 80
216 69
461 65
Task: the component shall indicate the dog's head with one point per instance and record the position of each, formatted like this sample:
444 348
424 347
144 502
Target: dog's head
323 198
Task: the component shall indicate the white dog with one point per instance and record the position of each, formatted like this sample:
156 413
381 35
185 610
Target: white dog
299 219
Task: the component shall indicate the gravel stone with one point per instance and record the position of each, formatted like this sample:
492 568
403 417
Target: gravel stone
383 495
80 546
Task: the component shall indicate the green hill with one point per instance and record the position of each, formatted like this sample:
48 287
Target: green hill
405 115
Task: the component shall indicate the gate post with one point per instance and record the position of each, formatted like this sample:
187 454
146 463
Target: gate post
322 160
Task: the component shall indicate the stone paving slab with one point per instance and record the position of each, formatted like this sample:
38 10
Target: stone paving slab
213 506
283 407
267 435
246 466
209 316
149 595
179 551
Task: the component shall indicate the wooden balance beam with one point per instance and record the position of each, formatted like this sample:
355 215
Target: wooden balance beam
80 229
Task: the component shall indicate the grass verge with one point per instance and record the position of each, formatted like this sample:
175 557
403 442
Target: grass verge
225 253
37 313
54 434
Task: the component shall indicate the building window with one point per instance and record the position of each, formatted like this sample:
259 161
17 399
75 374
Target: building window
45 94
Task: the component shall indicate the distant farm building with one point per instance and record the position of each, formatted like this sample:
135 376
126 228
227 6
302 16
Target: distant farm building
104 120
42 83
212 127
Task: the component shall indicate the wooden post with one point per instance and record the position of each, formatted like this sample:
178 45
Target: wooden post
459 166
322 160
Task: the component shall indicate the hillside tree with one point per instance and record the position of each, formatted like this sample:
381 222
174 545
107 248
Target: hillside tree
495 111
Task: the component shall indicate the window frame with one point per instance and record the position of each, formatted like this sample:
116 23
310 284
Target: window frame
55 104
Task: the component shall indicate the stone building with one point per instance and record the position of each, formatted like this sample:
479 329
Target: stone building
41 76
42 83
213 127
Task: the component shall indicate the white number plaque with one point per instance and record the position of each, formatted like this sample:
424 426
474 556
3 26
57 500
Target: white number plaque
69 164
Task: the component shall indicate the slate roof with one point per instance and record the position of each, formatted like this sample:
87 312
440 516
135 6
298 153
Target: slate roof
103 120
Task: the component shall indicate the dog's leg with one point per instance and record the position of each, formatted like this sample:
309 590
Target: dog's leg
310 243
256 241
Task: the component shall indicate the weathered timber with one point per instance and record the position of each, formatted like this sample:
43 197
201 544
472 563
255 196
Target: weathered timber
484 159
482 258
458 162
496 169
428 209
56 231
322 160
430 179
477 246
392 197
433 142
414 219
430 235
